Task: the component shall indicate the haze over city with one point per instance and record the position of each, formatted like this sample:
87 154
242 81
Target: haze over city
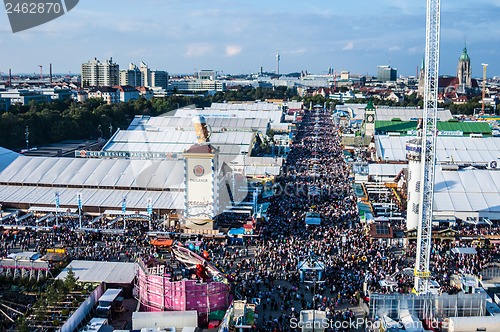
241 36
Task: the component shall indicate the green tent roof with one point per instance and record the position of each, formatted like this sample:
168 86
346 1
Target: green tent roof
404 126
466 127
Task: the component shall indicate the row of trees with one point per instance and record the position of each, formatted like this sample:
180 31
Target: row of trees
62 120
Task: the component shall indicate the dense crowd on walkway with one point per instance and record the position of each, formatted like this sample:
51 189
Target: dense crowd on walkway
315 178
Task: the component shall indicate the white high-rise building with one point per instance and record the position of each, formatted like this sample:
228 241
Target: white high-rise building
131 76
153 78
96 73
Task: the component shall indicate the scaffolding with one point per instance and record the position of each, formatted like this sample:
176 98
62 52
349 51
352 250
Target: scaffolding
156 290
427 306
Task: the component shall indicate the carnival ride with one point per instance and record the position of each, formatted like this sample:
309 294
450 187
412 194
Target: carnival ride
191 260
179 279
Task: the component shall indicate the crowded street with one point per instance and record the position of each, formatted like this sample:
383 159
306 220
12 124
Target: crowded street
265 268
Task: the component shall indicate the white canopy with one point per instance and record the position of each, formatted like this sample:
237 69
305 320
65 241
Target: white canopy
448 149
101 173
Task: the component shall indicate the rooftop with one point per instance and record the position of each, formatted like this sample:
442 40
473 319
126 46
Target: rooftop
97 272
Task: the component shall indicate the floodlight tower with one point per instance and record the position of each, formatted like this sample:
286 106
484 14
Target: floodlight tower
484 86
429 136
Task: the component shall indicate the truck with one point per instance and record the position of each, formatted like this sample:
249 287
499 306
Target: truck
109 303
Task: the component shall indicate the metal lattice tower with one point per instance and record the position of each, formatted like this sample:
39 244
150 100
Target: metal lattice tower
429 136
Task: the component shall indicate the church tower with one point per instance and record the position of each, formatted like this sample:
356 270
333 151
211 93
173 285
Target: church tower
421 79
464 73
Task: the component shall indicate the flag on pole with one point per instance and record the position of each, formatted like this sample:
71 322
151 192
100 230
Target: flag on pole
57 200
150 207
79 201
124 204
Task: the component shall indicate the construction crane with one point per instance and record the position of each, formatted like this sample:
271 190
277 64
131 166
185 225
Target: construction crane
484 86
429 136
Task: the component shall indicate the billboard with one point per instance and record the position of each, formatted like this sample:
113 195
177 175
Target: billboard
199 188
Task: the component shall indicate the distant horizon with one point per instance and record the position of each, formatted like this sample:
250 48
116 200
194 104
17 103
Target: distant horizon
240 37
46 75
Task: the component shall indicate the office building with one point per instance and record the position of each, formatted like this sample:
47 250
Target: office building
131 76
153 78
159 79
386 73
197 85
207 75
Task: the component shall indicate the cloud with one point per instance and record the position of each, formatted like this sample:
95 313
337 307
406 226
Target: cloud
232 50
416 50
349 46
394 48
199 49
299 51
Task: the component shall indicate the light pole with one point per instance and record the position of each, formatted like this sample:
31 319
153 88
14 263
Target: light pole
314 282
124 210
150 212
255 201
57 206
79 203
27 135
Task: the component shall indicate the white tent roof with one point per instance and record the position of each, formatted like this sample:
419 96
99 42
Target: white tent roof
176 141
6 157
102 198
170 123
102 173
388 113
245 111
97 272
385 169
448 149
467 191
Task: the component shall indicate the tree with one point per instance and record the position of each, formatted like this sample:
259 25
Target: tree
70 282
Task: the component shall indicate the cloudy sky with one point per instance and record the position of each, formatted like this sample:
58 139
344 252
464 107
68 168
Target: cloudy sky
239 36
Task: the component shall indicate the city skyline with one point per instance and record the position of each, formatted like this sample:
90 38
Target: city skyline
236 37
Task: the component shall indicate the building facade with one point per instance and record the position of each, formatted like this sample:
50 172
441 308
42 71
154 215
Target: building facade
159 79
108 94
96 73
386 73
23 97
197 85
131 76
127 93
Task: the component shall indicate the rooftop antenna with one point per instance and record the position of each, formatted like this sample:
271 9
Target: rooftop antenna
278 58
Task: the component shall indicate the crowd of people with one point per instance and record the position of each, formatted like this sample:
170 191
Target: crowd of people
315 178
